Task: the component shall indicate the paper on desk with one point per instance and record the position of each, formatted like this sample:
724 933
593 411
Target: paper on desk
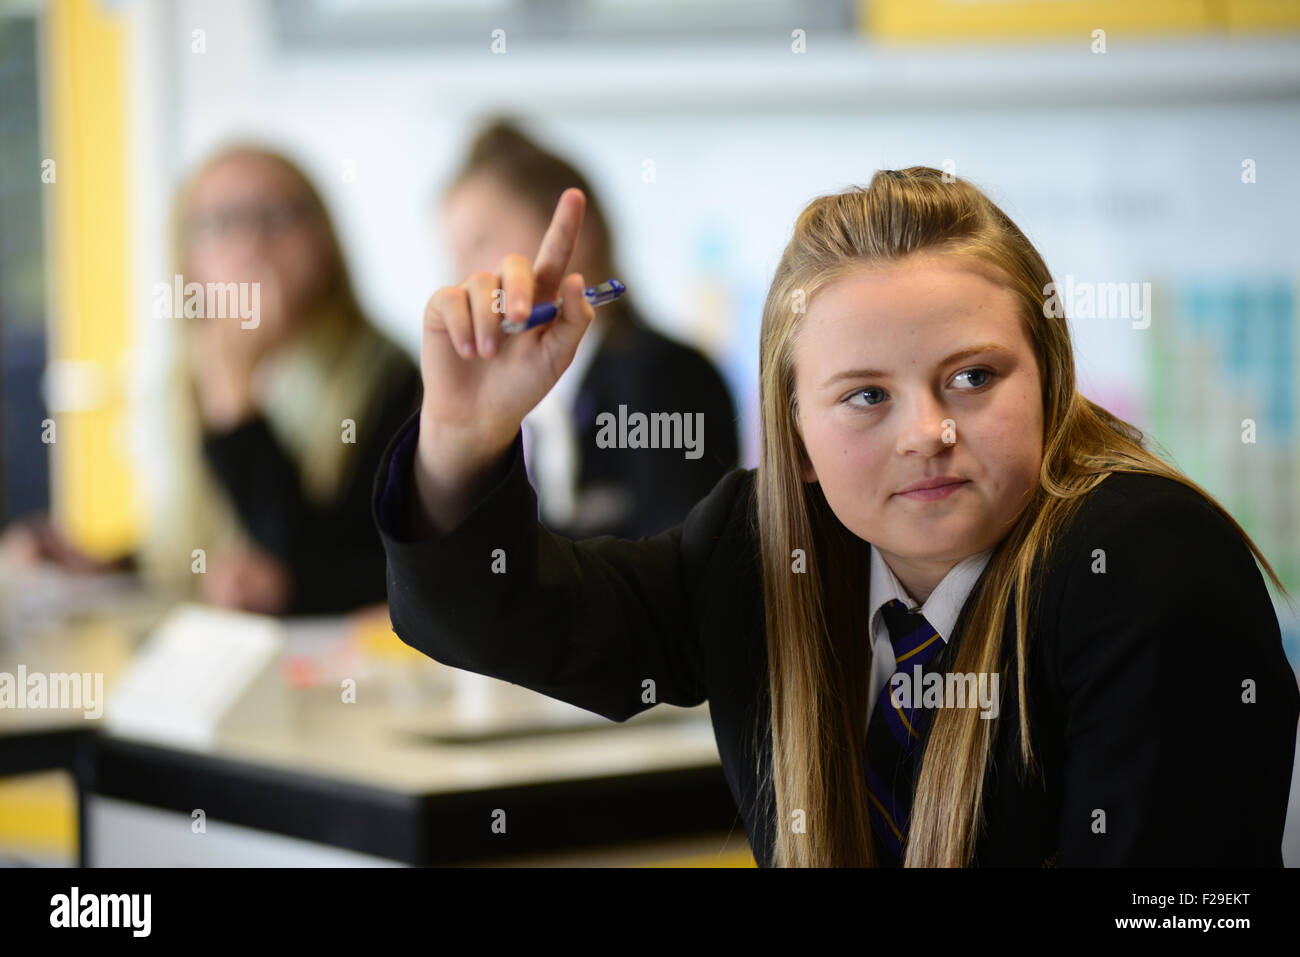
203 671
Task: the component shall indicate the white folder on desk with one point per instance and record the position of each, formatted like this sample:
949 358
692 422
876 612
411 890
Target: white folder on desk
203 671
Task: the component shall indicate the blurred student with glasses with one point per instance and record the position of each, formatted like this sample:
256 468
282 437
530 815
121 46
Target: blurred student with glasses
276 423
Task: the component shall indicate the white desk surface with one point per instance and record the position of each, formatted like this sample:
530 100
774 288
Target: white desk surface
377 740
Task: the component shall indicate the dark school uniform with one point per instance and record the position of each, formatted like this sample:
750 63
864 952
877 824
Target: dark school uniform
1160 694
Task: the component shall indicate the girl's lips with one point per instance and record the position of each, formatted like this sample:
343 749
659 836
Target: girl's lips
933 494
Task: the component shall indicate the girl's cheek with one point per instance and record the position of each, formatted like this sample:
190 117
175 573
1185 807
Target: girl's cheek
1016 475
863 465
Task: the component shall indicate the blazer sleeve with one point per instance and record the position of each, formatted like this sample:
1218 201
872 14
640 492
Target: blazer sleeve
1180 706
609 625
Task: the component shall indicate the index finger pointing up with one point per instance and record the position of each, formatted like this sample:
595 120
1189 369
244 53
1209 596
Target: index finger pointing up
557 246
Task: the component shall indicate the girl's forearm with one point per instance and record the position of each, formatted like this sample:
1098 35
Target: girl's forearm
454 469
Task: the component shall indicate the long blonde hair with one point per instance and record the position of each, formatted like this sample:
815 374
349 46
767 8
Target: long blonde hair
333 368
817 623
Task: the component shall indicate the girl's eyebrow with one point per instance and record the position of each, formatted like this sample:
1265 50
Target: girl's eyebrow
959 354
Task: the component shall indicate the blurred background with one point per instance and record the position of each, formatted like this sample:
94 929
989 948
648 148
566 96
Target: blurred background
1133 143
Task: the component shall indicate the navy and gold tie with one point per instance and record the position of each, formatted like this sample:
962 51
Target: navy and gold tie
893 733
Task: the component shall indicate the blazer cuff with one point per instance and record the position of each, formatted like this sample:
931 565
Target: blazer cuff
393 490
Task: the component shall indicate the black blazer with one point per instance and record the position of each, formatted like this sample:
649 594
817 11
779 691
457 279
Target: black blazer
1137 674
629 493
333 554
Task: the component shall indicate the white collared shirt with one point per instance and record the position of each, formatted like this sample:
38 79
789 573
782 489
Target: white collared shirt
551 454
940 610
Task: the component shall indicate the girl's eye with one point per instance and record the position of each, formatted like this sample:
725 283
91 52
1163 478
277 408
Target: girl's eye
864 392
988 373
983 377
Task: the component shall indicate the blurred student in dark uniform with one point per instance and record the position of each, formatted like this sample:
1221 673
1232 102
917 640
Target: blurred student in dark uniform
501 200
275 423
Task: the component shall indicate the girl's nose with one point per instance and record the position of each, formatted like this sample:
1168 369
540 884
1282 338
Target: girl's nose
927 427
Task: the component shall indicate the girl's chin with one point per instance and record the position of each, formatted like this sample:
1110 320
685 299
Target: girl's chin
929 547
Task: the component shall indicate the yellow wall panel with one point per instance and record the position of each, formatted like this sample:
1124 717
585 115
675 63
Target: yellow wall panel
1262 15
921 20
38 814
991 20
92 491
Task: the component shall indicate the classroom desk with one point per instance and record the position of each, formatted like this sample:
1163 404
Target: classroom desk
369 784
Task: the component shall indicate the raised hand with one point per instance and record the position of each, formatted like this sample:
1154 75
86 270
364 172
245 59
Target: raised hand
479 382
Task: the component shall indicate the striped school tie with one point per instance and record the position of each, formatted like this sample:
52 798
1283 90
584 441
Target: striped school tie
894 733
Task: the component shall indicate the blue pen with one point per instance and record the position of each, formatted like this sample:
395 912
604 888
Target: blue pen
546 311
